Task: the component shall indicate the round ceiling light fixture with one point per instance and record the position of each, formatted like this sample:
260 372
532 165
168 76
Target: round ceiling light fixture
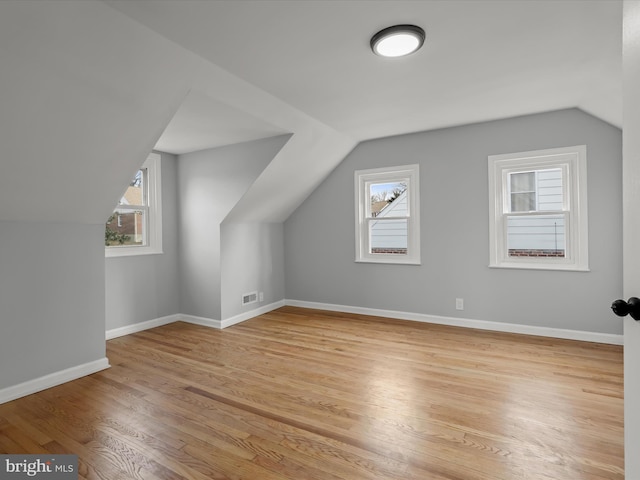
397 41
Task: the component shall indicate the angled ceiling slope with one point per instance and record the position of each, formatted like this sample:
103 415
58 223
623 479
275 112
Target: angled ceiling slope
313 151
87 93
202 123
80 108
482 60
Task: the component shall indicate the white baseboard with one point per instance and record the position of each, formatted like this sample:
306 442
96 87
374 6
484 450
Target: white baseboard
227 322
52 380
73 373
138 327
252 313
206 322
581 335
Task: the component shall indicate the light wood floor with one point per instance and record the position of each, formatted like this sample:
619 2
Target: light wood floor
303 394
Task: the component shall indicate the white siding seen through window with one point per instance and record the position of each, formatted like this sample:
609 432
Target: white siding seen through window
538 209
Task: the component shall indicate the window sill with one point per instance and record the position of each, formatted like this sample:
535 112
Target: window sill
115 252
388 261
532 266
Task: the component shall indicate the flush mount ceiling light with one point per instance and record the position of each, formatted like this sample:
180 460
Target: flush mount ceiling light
397 41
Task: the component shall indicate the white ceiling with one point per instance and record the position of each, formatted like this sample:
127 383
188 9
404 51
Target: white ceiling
482 60
202 122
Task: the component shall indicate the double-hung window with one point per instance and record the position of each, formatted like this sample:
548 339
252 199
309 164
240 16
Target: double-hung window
538 209
388 215
135 226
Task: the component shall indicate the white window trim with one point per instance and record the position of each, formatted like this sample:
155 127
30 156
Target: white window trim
408 173
154 217
573 161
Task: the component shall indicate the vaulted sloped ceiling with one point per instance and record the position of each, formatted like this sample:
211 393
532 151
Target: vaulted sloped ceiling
79 107
86 94
482 59
88 88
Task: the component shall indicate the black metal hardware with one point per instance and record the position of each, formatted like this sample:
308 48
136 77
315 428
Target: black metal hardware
630 307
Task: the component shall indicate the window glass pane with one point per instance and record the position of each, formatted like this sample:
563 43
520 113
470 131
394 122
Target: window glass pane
523 202
523 191
523 182
125 227
388 199
536 235
388 236
135 226
550 195
135 192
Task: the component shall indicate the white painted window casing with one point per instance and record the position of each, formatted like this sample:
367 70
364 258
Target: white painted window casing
152 213
394 228
538 203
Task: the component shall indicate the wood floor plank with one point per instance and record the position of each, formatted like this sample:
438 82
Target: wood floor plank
307 394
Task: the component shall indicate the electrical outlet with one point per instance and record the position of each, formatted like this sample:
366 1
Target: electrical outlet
261 296
459 303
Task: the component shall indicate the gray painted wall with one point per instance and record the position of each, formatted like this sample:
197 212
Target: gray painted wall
210 184
52 266
52 273
319 235
145 287
252 260
51 298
